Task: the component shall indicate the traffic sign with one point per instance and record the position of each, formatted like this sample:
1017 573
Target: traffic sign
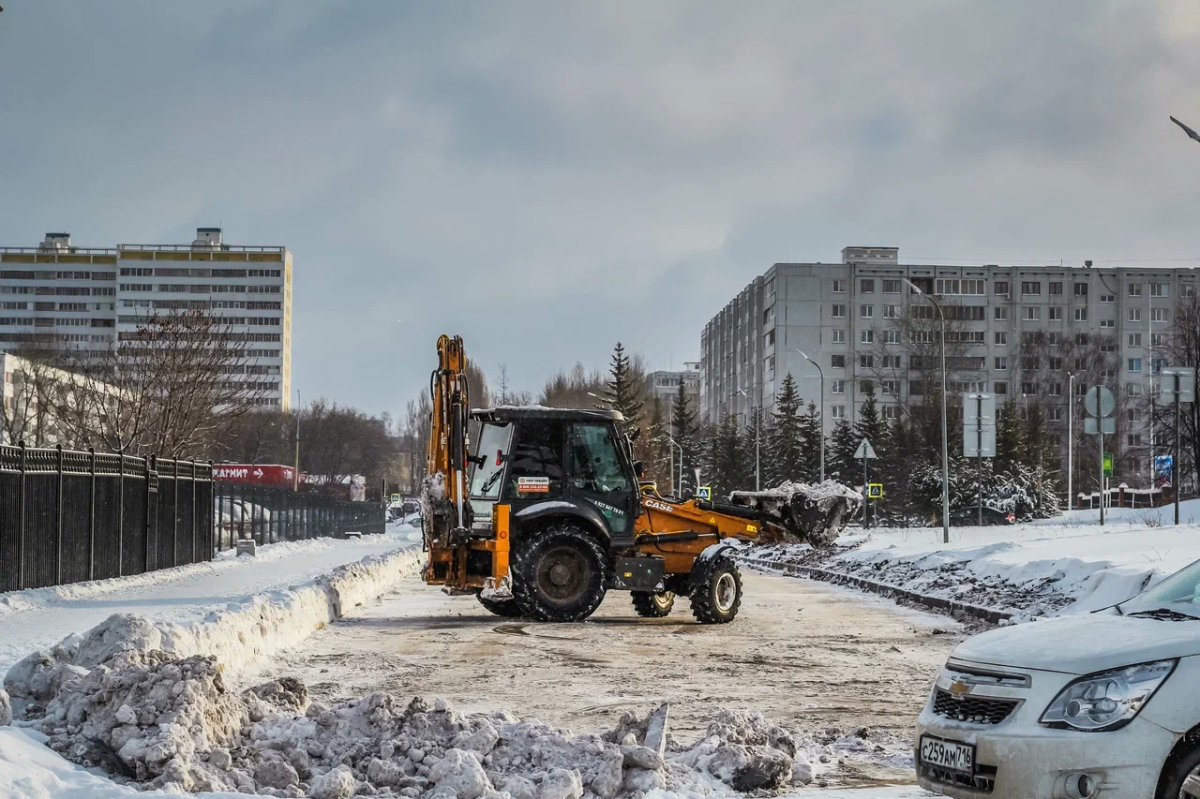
865 451
1108 426
874 490
704 492
1099 401
1108 461
971 442
1187 384
979 407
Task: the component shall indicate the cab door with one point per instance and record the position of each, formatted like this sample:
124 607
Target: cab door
602 478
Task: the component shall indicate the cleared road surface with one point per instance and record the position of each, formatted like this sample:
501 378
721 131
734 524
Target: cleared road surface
808 655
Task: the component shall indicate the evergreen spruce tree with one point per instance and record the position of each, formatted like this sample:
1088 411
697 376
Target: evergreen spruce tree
840 462
658 448
686 432
1008 437
787 456
727 469
623 392
871 426
811 433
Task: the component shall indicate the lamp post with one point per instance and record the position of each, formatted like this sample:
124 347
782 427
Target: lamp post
757 435
945 439
679 486
821 373
1070 438
296 470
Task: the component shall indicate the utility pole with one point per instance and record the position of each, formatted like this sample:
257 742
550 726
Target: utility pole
757 435
1070 438
979 460
945 440
1175 470
821 431
296 469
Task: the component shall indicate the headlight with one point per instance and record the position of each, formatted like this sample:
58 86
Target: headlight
1107 700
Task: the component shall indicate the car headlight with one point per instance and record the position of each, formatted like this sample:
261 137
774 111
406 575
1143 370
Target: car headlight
1107 700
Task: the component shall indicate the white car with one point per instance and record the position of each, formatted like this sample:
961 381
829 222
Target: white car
1103 704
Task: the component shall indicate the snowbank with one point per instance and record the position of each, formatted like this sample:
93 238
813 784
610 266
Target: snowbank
1065 565
236 636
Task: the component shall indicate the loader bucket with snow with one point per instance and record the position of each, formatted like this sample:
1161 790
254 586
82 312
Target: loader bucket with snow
813 513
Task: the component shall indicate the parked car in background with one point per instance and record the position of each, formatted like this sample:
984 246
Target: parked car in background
241 519
968 517
1104 704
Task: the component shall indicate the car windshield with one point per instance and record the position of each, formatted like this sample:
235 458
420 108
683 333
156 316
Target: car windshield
1179 594
493 443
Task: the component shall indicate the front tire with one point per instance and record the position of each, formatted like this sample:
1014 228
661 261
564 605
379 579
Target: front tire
1181 776
653 606
559 574
717 591
508 609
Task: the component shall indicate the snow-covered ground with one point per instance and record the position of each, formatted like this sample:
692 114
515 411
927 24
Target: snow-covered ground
1066 564
38 618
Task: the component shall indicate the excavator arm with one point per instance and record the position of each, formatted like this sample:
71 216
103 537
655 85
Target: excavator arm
446 517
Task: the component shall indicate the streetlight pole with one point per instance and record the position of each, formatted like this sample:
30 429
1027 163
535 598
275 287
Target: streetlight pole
820 372
945 438
678 492
1070 438
296 469
757 435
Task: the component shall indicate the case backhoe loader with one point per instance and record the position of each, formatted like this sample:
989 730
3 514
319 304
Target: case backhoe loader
548 513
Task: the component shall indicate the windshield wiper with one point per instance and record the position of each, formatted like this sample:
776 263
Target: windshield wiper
1166 614
491 481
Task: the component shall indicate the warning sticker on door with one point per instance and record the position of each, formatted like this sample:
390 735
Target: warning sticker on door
533 485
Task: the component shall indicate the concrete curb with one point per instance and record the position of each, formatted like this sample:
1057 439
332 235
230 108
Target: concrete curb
951 606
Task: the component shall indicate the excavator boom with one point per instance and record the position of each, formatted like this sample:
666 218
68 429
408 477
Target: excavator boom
446 459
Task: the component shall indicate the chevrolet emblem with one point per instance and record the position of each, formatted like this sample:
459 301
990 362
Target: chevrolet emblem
958 688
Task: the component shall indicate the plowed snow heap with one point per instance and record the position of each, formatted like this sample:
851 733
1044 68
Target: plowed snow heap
815 513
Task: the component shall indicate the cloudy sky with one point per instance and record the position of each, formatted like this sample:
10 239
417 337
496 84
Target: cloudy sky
546 178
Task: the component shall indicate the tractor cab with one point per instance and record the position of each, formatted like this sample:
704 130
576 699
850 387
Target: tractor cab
548 461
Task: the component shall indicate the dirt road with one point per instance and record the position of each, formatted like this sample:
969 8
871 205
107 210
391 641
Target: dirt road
808 655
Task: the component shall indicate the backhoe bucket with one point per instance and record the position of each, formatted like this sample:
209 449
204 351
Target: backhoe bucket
812 513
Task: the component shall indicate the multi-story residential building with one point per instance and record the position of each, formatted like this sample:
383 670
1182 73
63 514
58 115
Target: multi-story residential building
664 384
87 298
1015 331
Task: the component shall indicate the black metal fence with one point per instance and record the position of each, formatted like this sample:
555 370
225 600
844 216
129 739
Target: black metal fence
70 516
269 514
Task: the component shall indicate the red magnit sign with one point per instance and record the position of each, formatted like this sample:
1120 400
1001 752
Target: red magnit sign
255 473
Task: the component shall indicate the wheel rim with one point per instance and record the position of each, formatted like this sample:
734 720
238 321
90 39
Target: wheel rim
1191 785
725 592
563 574
664 599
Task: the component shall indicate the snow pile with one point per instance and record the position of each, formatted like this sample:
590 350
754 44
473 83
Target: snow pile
816 513
6 715
239 635
172 724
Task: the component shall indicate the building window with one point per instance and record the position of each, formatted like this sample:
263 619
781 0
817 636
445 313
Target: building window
1031 313
891 286
866 311
1056 314
1135 439
1108 344
1081 389
1000 287
1001 364
1029 389
1159 315
1000 387
891 412
1054 288
839 311
1135 289
1132 416
1158 340
1001 338
1135 339
1158 289
866 286
865 385
891 337
866 336
1001 313
1055 414
1133 389
1135 364
839 336
837 411
1108 299
1031 288
837 361
1056 364
891 387
1157 364
839 286
1135 314
1081 289
769 339
1187 290
1054 339
891 361
891 312
1107 323
838 386
1054 389
1029 364
866 361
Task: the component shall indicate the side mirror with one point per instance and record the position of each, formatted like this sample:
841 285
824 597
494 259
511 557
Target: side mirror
637 431
639 469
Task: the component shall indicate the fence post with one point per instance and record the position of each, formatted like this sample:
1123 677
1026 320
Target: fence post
195 532
21 523
175 513
58 517
121 515
151 466
92 526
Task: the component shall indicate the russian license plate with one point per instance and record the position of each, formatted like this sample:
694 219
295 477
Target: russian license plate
948 754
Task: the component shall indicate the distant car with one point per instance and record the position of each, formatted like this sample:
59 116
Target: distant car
1081 706
969 517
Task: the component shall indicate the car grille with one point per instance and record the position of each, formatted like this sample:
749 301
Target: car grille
983 780
972 709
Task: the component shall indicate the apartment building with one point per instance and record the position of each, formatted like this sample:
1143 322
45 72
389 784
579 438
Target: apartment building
664 384
82 298
1015 331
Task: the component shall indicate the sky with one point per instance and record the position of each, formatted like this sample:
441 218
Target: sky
546 178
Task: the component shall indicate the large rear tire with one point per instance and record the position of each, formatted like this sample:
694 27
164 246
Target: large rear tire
509 608
559 573
716 591
653 606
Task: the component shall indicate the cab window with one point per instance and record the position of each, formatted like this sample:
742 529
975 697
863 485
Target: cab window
595 464
493 444
536 468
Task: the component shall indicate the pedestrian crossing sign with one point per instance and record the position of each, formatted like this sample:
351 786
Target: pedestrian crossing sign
874 490
704 492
